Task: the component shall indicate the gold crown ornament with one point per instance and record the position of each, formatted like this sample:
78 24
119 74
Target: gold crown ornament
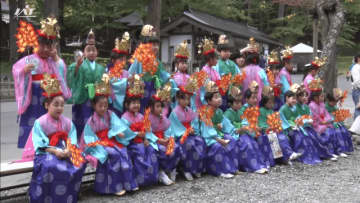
254 86
296 88
182 50
268 91
148 31
190 87
102 88
318 62
90 40
253 44
223 39
122 45
206 47
339 94
287 53
315 85
163 94
51 86
273 58
49 28
211 86
235 92
135 87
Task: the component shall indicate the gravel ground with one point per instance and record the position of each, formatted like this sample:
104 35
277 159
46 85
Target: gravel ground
326 182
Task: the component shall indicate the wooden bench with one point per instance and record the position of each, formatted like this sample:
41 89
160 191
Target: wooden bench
16 168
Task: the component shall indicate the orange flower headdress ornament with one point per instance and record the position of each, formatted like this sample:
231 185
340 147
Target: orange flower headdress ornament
26 37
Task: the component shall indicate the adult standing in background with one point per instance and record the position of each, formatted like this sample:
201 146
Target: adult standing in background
355 74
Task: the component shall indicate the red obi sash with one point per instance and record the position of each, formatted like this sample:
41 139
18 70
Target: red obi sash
38 77
277 91
57 136
159 134
138 127
187 125
103 136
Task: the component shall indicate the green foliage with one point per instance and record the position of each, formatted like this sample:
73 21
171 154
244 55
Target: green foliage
69 59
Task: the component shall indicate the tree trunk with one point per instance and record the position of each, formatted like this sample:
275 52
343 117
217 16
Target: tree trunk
14 22
51 8
315 37
281 11
154 15
332 18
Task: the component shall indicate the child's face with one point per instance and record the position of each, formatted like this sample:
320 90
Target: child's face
56 107
314 72
303 99
134 106
225 54
236 105
240 61
182 66
184 102
291 101
157 109
101 106
216 100
332 103
252 101
321 98
90 52
270 104
119 60
288 66
212 62
45 50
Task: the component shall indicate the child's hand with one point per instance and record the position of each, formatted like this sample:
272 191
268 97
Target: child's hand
60 154
239 131
219 126
141 134
121 135
163 141
224 142
191 131
29 67
146 142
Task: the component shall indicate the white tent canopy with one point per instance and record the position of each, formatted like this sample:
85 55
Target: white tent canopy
302 48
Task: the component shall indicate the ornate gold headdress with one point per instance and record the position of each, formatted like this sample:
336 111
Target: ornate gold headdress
122 46
254 86
210 86
102 88
295 88
206 47
253 44
49 28
315 85
135 87
268 91
190 86
338 93
148 31
273 58
235 92
51 86
182 50
287 53
223 39
163 94
318 62
90 40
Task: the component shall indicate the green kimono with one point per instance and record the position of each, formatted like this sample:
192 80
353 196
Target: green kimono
303 109
288 116
264 113
331 110
234 117
89 72
226 67
217 119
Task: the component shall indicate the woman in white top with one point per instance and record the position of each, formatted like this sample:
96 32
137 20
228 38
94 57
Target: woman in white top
355 74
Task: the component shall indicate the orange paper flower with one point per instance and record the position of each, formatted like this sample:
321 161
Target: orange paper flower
76 154
274 122
26 37
239 79
146 56
201 77
171 146
343 98
117 70
300 121
185 135
205 114
341 115
224 84
271 77
147 123
251 115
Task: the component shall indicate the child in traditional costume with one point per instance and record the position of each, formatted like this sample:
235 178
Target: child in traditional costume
273 142
272 73
105 138
185 128
251 157
305 119
339 115
313 71
169 154
323 121
253 71
143 148
284 77
81 74
239 59
28 72
300 143
57 171
144 61
222 152
118 73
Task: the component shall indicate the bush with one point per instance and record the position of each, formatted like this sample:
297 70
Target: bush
69 59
